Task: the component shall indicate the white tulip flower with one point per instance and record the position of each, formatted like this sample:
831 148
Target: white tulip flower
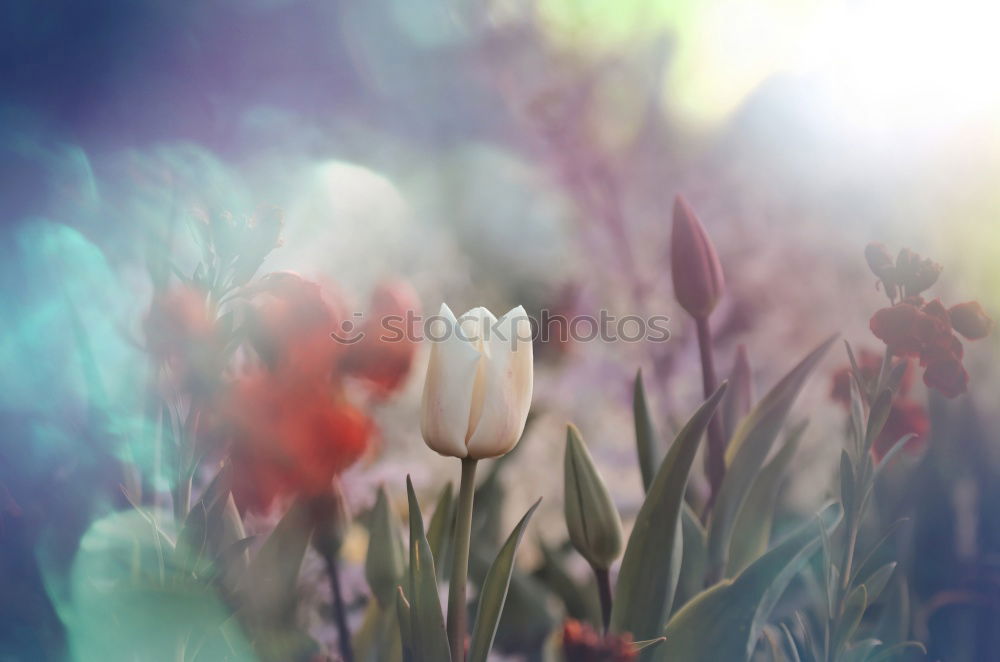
479 380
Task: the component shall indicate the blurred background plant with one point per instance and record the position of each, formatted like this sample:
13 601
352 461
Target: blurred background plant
489 153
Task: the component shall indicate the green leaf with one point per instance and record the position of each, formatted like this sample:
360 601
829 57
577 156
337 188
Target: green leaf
860 650
724 621
747 451
876 582
651 566
739 398
847 491
429 639
891 652
494 592
892 528
439 531
595 529
752 530
270 581
693 560
190 550
638 646
645 434
854 609
791 644
877 417
404 615
384 563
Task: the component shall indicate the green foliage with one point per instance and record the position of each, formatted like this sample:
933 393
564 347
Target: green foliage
645 433
747 451
427 638
651 566
384 563
494 592
723 622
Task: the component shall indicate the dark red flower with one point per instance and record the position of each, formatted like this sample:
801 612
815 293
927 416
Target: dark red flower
905 417
581 643
897 326
384 353
948 376
970 320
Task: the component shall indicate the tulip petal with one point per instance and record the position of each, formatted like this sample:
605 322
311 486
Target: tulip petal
448 390
507 385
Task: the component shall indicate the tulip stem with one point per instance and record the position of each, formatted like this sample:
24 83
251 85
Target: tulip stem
715 462
339 611
604 591
460 562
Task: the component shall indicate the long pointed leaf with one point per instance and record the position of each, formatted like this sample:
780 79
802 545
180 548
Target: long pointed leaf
645 435
429 639
723 622
752 530
651 566
746 454
494 592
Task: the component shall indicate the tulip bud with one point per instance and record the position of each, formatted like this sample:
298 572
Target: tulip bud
479 381
595 528
970 320
331 520
384 565
697 273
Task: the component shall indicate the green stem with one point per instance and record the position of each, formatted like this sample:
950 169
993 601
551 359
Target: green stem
604 591
715 459
460 561
339 609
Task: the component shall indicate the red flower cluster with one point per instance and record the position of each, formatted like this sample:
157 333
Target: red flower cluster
905 417
923 330
289 423
582 644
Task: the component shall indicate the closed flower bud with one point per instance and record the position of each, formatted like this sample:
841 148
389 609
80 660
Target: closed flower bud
595 528
880 262
331 520
479 381
384 565
914 273
970 320
697 273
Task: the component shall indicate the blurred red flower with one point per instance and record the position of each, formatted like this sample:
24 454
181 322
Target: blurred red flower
291 323
970 320
581 643
290 435
906 415
383 355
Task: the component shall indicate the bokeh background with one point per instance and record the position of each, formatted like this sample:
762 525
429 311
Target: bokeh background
490 152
